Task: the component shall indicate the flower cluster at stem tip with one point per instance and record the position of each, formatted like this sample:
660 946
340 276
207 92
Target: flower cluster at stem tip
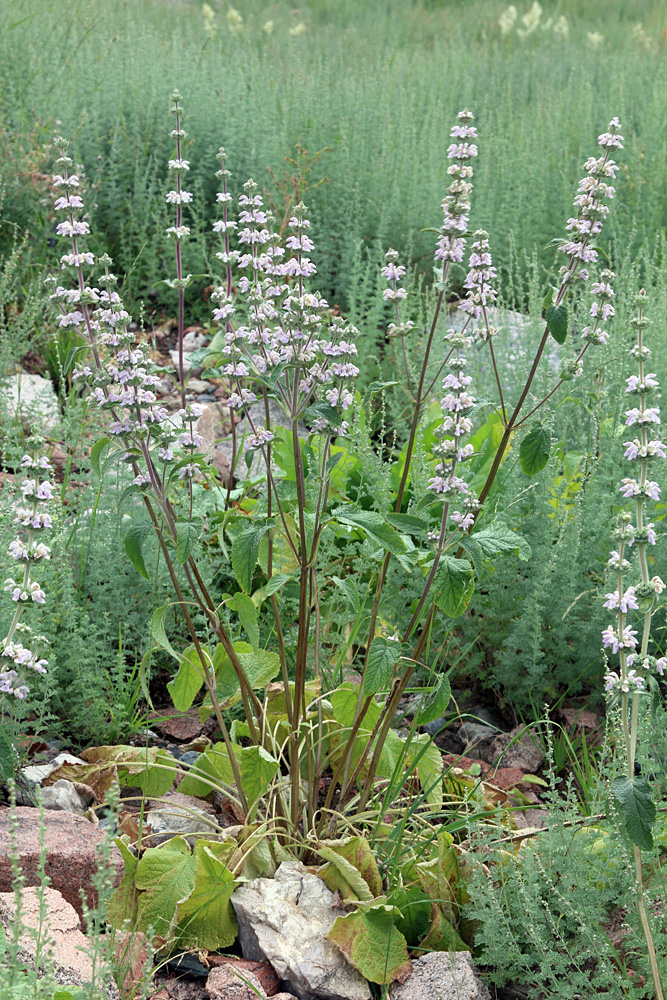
17 659
637 668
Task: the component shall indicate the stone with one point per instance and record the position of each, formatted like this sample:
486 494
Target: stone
35 774
71 844
194 339
175 361
176 813
518 748
286 920
441 975
262 971
477 738
68 796
33 399
72 966
184 727
579 718
228 983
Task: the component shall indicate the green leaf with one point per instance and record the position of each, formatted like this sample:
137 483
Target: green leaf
383 656
442 935
355 860
439 702
166 875
260 666
245 549
247 613
134 541
187 683
571 464
534 450
324 410
258 768
637 808
158 630
96 453
212 769
371 943
556 317
374 388
453 586
187 533
277 581
374 525
206 917
414 913
407 523
496 539
123 903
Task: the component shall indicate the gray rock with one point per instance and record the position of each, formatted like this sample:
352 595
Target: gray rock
37 773
228 983
63 794
194 340
286 920
476 736
518 748
33 399
441 975
174 360
478 713
176 814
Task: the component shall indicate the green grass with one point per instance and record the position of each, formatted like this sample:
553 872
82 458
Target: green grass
378 83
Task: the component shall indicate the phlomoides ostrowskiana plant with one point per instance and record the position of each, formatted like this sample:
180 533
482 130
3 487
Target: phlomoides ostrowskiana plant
637 668
19 656
279 342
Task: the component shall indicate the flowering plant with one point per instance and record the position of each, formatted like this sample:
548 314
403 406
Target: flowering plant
637 667
16 659
309 756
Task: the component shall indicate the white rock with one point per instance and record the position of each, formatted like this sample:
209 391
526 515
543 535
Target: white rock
441 976
37 773
178 814
63 794
174 360
194 340
286 920
33 399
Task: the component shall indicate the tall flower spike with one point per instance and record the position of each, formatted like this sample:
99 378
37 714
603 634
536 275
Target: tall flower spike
636 667
481 293
456 204
28 551
393 273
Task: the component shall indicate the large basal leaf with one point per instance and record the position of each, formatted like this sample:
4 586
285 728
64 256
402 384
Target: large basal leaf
187 683
637 808
356 854
211 770
374 525
206 918
413 914
383 655
123 903
453 586
258 768
245 549
534 450
151 768
260 666
158 631
442 935
371 943
556 317
165 876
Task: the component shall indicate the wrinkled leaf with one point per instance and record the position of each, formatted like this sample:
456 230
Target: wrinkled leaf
245 549
637 808
165 877
187 533
453 586
383 656
206 917
134 541
185 686
371 943
439 702
534 450
247 613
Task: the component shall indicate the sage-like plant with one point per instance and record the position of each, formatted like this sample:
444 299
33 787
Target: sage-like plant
637 666
17 659
279 345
